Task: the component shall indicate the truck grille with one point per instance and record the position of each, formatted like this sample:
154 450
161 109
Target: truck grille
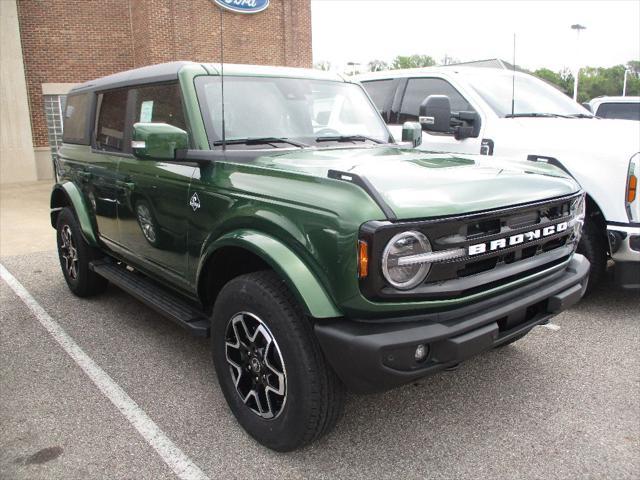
499 246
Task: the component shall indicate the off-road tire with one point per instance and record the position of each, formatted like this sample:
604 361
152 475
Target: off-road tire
314 395
84 282
594 247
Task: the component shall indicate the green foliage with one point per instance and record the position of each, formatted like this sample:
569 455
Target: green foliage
634 66
412 61
378 65
563 79
596 81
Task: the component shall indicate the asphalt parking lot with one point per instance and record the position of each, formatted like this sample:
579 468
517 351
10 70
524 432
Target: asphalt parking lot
562 403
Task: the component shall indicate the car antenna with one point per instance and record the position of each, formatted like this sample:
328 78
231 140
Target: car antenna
224 133
513 79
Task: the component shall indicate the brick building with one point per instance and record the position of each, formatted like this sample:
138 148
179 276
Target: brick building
48 46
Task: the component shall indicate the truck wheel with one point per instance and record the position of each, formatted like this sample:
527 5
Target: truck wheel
269 364
75 255
592 245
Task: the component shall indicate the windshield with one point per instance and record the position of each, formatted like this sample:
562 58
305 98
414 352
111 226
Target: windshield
532 95
302 111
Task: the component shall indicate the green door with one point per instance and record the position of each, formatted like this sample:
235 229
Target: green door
153 208
100 182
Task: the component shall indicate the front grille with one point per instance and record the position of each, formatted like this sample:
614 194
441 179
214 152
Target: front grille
491 268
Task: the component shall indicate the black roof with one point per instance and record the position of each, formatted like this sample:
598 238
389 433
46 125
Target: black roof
152 74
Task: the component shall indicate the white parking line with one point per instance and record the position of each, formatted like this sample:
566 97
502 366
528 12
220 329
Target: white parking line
181 465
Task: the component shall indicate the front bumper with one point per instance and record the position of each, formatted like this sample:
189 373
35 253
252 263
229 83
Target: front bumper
624 245
376 355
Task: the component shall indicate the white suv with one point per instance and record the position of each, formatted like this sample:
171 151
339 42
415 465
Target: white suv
499 112
622 108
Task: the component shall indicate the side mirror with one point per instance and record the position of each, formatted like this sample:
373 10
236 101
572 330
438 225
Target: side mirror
435 114
412 133
157 141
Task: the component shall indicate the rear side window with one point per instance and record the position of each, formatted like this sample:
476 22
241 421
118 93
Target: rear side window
381 92
76 119
624 111
159 104
420 88
111 121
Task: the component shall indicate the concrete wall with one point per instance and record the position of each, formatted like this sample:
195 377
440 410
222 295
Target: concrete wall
17 159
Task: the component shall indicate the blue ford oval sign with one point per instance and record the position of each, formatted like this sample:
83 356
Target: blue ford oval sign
243 6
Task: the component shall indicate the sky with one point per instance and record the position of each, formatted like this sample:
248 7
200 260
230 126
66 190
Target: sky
363 30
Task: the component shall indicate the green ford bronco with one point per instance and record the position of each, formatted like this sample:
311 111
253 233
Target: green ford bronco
286 224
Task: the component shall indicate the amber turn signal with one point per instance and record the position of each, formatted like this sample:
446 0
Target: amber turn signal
632 186
363 259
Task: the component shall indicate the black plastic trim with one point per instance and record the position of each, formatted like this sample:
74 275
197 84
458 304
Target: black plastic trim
445 274
368 187
550 161
376 356
623 224
627 275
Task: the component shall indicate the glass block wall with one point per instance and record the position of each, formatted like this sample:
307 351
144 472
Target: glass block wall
53 108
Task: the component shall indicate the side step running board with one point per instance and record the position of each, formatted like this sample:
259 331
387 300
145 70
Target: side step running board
161 300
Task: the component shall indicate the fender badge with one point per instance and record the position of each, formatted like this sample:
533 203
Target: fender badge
195 201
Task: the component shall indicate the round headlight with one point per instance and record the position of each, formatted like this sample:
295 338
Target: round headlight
405 244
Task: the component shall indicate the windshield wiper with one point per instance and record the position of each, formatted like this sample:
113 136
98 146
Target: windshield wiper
259 141
535 114
581 115
348 138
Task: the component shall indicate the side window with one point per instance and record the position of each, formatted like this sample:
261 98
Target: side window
624 111
381 92
420 88
110 125
159 104
76 117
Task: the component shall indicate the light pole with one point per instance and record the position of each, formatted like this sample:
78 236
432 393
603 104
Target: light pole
624 84
577 27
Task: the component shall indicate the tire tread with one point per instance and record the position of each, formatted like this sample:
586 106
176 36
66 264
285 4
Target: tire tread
331 392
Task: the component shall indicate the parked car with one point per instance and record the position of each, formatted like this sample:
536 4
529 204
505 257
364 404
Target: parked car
623 108
471 111
315 252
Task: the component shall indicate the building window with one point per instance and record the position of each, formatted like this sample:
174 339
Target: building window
54 105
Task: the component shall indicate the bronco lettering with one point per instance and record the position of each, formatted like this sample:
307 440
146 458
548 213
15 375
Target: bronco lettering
501 243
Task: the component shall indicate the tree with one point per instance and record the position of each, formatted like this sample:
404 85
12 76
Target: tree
412 61
562 79
448 60
596 81
634 66
378 65
323 65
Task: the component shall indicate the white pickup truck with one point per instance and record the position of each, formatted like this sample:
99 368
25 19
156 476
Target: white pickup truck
513 114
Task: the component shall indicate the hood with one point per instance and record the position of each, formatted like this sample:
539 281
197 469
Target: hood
419 185
588 136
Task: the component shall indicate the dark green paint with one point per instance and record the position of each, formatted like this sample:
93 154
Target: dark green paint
74 196
287 264
158 141
281 206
